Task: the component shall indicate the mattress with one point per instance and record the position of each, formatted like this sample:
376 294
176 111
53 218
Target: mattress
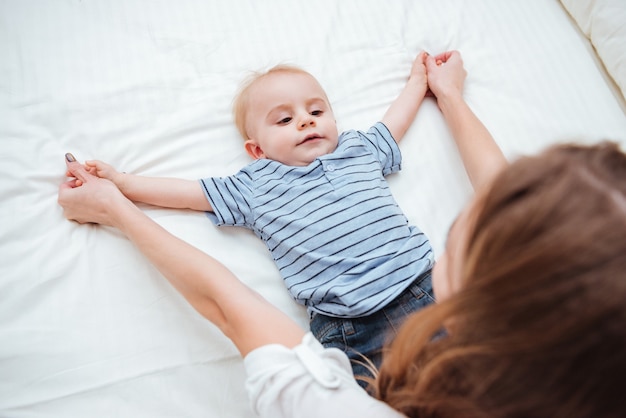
88 327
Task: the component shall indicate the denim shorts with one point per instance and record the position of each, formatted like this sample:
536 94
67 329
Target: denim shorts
366 336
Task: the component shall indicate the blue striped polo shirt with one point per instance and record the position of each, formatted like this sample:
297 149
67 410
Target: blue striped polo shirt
342 245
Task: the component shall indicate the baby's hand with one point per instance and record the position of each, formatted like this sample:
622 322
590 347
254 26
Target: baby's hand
418 70
102 170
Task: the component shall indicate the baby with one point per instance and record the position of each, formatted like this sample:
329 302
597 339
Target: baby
320 202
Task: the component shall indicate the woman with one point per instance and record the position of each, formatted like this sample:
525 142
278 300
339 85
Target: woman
531 316
534 302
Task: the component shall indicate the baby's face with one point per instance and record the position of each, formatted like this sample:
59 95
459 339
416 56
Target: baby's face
290 120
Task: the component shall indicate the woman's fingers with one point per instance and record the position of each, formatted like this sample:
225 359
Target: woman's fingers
76 169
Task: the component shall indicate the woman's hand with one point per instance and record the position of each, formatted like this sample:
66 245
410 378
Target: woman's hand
89 199
247 319
481 155
446 75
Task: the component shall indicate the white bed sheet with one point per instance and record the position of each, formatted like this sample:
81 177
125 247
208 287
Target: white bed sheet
87 326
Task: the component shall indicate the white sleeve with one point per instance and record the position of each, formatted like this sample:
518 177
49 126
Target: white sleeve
307 381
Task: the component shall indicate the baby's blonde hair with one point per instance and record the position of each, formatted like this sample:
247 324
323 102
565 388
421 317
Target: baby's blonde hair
242 99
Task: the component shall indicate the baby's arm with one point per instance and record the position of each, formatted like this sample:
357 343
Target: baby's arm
158 191
402 111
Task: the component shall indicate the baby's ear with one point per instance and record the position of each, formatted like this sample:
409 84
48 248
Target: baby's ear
253 149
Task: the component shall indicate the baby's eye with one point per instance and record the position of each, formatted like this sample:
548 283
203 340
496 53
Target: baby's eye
317 112
284 121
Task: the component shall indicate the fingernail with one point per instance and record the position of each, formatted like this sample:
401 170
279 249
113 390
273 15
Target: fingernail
69 157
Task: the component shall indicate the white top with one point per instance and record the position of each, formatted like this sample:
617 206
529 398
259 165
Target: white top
307 381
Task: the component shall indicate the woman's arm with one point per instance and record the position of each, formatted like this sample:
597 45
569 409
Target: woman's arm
481 155
241 314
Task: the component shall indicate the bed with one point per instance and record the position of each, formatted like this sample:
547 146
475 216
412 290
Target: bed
87 326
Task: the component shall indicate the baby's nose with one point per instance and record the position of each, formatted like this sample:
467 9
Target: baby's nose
306 121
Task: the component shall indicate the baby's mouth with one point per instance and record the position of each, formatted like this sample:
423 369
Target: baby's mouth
311 137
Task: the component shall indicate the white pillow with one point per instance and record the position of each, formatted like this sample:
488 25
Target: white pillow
604 23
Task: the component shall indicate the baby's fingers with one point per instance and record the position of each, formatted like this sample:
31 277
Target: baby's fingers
73 182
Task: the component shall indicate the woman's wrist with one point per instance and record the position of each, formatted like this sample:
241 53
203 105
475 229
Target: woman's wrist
120 179
448 101
122 212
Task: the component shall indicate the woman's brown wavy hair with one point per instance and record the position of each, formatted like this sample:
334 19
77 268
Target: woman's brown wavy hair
538 328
